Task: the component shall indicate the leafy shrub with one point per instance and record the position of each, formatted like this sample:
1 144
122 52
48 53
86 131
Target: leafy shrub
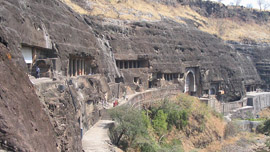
264 128
178 118
217 114
129 125
146 144
153 111
267 143
146 147
185 101
231 130
174 146
139 130
177 115
146 119
160 122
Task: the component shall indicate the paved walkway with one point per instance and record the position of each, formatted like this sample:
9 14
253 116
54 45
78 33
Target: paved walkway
40 80
96 139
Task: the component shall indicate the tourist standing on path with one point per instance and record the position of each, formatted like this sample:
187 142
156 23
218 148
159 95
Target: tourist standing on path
115 103
124 96
37 72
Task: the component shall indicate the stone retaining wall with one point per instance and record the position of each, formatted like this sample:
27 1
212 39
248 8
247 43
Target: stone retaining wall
260 100
152 95
254 101
224 108
246 125
230 106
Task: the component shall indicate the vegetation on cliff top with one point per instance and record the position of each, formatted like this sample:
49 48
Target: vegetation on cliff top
235 28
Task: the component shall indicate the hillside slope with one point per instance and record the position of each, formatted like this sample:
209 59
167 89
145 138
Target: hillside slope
236 24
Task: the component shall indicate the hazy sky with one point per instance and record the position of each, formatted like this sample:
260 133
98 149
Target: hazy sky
245 2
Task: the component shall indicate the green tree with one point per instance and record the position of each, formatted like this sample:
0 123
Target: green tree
264 128
146 119
178 118
160 122
129 124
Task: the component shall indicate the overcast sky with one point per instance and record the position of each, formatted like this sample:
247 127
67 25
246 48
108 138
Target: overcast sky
245 2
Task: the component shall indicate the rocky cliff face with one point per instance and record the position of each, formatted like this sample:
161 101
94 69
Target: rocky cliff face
258 54
72 107
24 125
171 48
219 10
136 54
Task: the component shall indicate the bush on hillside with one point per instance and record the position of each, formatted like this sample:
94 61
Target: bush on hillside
177 115
147 130
231 130
146 119
264 128
129 125
178 118
160 122
146 147
174 146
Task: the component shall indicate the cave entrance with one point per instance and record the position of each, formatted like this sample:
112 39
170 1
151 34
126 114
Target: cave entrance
77 66
190 83
43 58
80 65
212 91
130 64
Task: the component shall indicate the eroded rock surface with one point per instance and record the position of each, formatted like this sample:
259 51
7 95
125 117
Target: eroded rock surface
24 125
124 57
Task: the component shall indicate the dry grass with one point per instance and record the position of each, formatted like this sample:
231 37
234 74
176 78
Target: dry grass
214 128
75 7
138 10
217 145
201 118
265 113
229 29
